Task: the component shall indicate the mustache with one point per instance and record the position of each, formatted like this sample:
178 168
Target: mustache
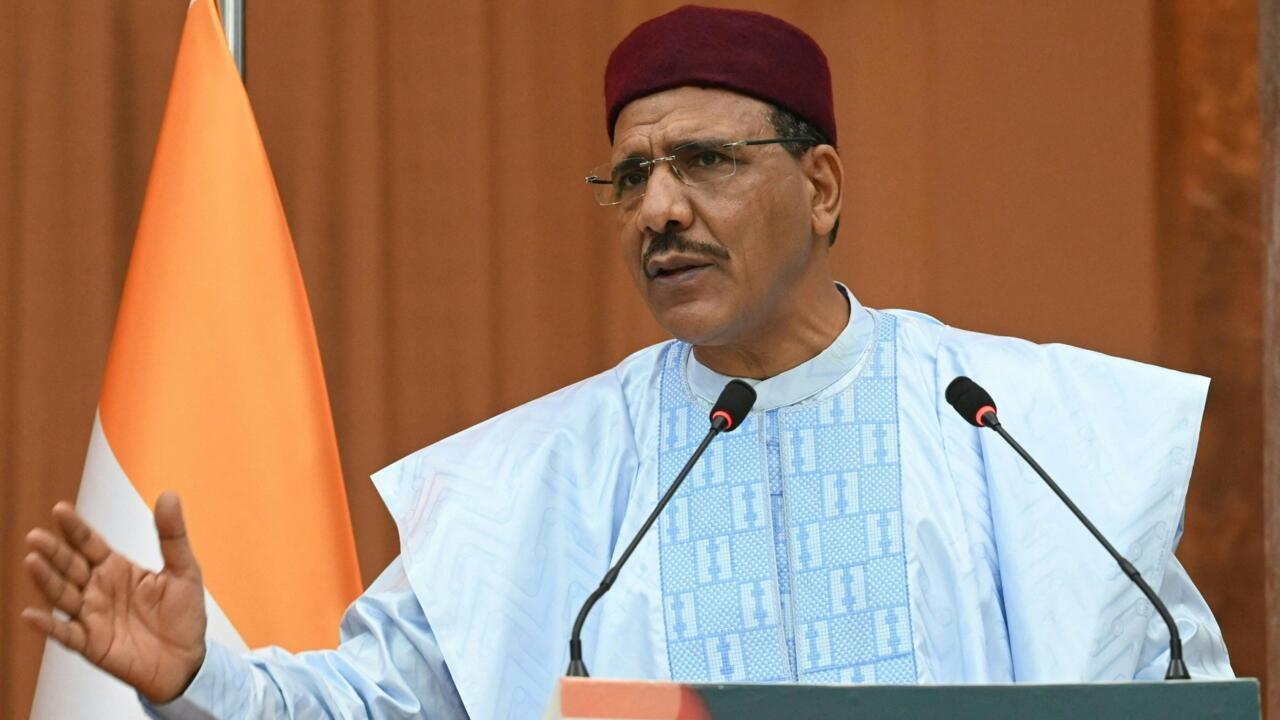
675 241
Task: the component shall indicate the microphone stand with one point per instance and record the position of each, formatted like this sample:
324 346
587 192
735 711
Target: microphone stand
1177 668
578 668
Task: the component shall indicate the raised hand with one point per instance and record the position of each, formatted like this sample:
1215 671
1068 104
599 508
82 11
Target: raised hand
143 627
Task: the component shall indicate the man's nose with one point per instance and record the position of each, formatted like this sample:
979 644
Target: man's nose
665 204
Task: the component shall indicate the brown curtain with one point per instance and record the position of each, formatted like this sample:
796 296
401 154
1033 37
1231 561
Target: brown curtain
430 156
1210 253
1269 104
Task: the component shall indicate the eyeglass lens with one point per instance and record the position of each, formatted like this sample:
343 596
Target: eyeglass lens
693 164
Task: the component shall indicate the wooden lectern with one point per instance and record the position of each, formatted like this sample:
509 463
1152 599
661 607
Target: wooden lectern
587 698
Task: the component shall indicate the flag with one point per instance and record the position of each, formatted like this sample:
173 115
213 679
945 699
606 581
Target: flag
214 389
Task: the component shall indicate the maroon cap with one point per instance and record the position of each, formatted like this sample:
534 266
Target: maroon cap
747 52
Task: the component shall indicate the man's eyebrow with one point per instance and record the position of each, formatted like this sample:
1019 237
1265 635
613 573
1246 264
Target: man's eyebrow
630 157
634 158
671 146
697 143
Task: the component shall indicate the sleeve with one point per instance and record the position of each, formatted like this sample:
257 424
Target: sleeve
1203 649
1119 437
387 666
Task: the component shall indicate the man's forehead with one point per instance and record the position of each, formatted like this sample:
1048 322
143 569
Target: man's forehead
687 113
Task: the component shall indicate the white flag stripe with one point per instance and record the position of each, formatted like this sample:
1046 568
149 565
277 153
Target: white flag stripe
112 506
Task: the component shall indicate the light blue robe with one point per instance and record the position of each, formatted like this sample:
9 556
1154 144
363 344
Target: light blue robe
507 526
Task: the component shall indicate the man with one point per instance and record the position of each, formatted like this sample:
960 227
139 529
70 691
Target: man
853 529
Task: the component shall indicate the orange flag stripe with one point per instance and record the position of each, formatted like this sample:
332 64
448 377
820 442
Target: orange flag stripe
214 386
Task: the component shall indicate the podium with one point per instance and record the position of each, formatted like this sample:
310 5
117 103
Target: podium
583 698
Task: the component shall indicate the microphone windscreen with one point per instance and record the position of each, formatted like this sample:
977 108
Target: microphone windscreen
735 402
970 400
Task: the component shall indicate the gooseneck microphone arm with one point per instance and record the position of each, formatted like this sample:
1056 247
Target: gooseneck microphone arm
975 405
577 668
1177 668
735 402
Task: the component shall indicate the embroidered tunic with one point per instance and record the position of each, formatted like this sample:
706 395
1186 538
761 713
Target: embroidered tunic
854 529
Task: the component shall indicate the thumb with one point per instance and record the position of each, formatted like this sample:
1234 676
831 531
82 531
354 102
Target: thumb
174 545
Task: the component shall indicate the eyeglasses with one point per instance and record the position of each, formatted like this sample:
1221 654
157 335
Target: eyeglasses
693 163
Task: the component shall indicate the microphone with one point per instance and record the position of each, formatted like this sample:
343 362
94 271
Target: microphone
976 406
728 413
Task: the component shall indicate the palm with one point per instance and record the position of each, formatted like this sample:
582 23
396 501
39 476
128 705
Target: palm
144 627
140 625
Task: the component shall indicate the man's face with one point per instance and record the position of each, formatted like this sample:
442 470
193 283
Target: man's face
718 262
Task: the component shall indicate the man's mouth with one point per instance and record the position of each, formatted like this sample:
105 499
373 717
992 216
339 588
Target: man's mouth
676 272
674 268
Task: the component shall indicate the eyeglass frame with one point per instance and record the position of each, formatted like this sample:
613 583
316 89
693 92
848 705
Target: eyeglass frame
650 163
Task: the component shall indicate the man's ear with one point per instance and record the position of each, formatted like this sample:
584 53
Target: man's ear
825 172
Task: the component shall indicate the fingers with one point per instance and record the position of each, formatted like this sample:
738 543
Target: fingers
79 535
174 545
67 632
57 589
66 561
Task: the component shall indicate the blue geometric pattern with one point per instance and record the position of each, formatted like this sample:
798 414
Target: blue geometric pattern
782 555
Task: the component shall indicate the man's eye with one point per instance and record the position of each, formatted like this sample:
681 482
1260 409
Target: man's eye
631 179
708 159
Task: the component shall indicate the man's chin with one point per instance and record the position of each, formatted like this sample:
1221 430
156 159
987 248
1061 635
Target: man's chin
703 326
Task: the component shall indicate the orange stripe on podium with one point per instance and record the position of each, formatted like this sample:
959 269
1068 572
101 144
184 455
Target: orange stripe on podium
630 699
214 386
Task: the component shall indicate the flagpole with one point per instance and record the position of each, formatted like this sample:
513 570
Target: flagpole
233 26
